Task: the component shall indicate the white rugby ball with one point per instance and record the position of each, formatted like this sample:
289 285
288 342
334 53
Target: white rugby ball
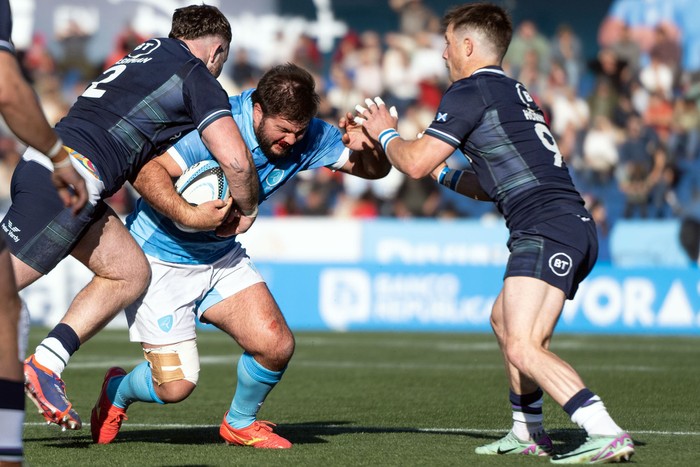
201 182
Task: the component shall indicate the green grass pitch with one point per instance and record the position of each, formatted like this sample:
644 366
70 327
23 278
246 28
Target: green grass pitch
389 399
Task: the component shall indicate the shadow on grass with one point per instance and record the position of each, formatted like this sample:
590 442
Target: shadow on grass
298 433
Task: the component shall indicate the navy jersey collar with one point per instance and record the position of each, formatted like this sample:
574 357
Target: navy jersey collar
490 69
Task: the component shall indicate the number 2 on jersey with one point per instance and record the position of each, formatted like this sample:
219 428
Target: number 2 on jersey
93 91
548 141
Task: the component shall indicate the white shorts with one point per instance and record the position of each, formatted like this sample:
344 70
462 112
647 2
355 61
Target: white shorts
165 314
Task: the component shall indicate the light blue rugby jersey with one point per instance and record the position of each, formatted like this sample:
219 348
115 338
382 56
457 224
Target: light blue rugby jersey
159 237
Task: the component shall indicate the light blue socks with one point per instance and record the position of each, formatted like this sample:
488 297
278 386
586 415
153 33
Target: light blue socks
254 384
135 386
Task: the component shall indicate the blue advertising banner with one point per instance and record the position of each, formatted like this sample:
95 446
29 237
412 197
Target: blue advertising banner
426 242
369 296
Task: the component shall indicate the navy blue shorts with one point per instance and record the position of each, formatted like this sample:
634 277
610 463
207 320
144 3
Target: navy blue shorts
38 229
560 251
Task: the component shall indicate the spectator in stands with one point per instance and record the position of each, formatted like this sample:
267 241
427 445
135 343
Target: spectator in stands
417 198
600 153
667 50
307 55
567 50
607 67
664 200
415 17
242 71
342 95
126 41
532 76
686 17
527 37
428 68
346 53
689 234
623 110
639 168
74 62
659 115
567 109
37 60
640 20
684 137
401 86
368 72
627 49
657 76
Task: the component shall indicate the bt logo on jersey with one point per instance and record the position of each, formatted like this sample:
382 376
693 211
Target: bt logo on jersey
560 264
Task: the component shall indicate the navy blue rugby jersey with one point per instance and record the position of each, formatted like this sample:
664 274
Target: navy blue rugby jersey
495 122
6 27
138 107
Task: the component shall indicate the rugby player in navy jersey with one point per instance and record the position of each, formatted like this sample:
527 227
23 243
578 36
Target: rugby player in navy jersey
210 276
23 115
137 108
493 120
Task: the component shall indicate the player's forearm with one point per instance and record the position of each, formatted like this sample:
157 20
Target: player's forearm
20 107
371 164
464 182
225 142
156 187
406 157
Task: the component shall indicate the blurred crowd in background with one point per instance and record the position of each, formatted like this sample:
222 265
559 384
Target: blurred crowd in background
626 121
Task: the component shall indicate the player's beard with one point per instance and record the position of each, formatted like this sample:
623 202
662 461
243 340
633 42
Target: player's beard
268 146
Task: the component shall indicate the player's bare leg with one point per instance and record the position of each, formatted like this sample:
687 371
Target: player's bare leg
121 275
121 272
254 320
531 309
11 381
527 435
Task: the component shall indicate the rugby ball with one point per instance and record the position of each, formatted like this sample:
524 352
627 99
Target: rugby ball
201 182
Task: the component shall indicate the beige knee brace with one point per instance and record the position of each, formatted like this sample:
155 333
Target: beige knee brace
174 362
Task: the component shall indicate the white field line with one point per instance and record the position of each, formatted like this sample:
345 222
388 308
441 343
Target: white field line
449 344
368 429
232 359
374 365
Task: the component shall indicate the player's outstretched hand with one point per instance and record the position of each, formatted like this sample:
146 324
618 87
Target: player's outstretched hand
355 137
71 187
376 117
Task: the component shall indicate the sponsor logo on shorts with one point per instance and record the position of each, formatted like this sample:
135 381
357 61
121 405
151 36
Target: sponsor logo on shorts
11 230
560 264
85 162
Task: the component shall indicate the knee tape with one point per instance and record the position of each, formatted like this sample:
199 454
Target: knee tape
174 362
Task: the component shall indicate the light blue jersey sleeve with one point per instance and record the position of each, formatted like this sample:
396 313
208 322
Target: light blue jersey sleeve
189 150
158 236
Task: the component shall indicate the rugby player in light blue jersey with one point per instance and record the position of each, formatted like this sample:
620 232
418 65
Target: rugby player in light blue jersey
553 246
208 274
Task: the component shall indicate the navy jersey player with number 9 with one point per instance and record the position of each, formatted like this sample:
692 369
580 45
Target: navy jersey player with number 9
553 246
163 89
